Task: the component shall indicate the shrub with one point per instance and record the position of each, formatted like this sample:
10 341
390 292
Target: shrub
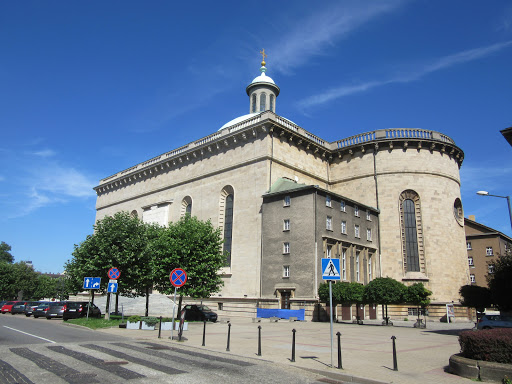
150 320
488 345
134 319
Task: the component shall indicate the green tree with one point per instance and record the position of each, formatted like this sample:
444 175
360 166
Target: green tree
475 297
500 283
342 293
25 280
46 287
193 245
7 281
5 253
385 290
418 295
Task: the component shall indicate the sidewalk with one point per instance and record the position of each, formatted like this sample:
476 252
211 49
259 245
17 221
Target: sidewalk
422 355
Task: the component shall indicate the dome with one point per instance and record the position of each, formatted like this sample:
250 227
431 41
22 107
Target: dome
263 79
238 120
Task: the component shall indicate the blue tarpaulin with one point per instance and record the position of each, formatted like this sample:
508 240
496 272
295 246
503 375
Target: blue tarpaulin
281 313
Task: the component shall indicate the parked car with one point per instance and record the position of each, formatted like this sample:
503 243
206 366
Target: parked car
78 309
494 321
56 309
199 313
2 304
19 307
30 306
41 309
7 307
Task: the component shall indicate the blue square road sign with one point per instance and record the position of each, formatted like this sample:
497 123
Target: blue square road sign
92 282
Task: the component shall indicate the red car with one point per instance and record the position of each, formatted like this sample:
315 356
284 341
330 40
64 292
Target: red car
7 307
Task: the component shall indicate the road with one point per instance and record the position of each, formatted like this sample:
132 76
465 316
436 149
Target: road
42 351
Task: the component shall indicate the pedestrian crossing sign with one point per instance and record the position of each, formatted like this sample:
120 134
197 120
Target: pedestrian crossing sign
331 269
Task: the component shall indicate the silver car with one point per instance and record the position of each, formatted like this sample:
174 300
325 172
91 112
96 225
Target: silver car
494 321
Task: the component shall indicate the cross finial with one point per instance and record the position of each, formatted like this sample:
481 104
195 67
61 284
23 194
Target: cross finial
263 54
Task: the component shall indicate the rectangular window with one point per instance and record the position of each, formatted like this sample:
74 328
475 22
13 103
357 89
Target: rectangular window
470 261
490 268
488 251
342 206
356 210
344 264
286 225
357 266
286 248
328 251
287 201
344 227
328 223
356 231
368 215
368 234
286 271
472 278
468 245
328 201
370 268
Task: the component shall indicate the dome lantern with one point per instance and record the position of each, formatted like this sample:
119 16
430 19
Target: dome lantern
262 91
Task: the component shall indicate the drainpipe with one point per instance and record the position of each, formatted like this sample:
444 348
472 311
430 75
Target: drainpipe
377 201
315 288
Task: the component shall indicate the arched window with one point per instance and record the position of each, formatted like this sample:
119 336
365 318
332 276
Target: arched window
412 233
253 108
186 206
226 221
263 102
134 213
272 103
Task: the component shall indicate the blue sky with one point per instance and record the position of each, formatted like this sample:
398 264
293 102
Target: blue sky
91 88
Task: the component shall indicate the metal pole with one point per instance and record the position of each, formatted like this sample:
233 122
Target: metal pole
340 366
173 311
204 332
90 291
509 211
160 328
293 346
395 364
330 312
229 335
259 340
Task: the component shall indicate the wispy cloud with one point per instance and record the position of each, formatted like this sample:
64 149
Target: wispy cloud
44 153
316 34
406 76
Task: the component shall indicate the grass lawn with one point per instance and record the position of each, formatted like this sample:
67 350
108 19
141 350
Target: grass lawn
95 323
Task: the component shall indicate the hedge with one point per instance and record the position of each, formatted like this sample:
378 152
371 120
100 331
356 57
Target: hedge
487 344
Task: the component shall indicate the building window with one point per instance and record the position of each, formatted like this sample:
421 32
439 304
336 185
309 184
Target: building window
368 215
328 223
488 251
342 206
472 278
286 225
344 264
468 245
263 102
287 201
470 261
344 227
186 206
490 268
356 210
328 251
370 268
272 103
412 230
328 201
286 248
368 234
226 221
253 103
356 231
357 266
286 271
458 212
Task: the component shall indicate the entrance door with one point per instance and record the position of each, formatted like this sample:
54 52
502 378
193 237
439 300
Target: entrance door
285 299
373 311
345 312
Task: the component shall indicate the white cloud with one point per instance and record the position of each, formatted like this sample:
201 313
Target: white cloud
63 181
412 75
44 153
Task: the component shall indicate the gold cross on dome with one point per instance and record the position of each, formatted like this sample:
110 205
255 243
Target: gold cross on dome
263 54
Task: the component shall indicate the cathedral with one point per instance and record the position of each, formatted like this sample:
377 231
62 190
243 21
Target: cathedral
386 203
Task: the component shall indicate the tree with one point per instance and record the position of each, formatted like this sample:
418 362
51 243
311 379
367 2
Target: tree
418 295
46 287
500 283
342 293
7 281
475 297
25 280
5 253
385 290
193 245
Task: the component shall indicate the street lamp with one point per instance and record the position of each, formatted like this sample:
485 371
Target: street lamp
485 193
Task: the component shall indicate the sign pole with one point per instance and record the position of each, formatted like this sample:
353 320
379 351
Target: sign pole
330 304
173 310
90 294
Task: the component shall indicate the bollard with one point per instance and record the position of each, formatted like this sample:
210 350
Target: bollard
259 340
395 364
160 328
293 346
229 335
204 332
339 351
